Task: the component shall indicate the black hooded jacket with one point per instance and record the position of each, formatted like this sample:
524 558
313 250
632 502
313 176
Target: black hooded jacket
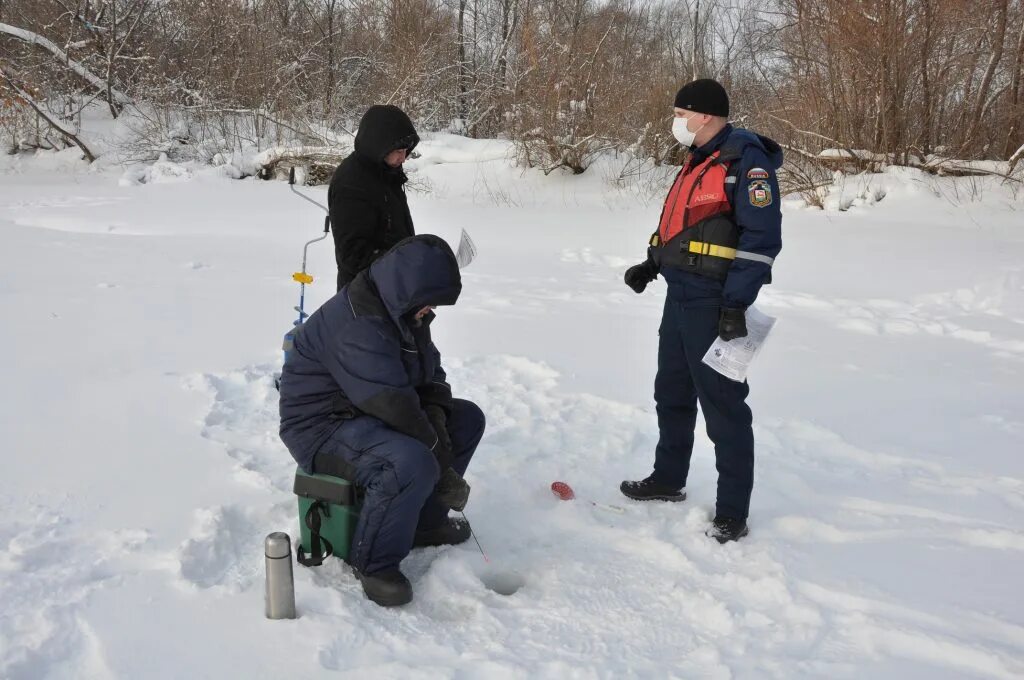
369 211
361 353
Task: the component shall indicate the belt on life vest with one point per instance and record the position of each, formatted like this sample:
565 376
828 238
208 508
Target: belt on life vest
707 248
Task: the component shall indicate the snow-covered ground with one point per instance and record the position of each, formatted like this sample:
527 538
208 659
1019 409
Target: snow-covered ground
142 468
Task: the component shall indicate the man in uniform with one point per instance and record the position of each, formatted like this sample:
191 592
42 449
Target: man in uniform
719 234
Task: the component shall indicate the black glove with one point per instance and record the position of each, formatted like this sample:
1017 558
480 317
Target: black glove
452 491
732 323
443 448
639 275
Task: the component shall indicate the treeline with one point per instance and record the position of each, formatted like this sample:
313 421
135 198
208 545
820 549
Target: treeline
566 79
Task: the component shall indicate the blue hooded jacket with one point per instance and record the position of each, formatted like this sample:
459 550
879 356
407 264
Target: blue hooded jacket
362 353
760 223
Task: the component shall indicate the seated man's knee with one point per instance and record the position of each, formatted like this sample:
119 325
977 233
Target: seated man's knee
415 465
468 415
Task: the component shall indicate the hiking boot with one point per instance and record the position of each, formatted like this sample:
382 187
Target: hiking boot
650 490
725 529
388 587
451 531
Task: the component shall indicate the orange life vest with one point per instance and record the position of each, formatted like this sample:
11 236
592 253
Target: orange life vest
697 194
697 232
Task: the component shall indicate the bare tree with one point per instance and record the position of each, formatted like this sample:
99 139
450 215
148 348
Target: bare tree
998 37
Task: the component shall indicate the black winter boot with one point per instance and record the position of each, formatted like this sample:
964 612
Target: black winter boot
388 588
650 490
725 529
451 531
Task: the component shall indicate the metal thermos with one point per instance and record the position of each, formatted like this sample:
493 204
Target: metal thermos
280 581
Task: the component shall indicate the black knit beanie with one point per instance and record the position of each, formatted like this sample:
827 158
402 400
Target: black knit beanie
704 96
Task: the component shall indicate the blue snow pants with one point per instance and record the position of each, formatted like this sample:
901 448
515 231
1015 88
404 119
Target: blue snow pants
682 382
398 474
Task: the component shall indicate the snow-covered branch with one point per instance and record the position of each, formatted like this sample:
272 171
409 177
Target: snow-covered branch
62 56
1016 158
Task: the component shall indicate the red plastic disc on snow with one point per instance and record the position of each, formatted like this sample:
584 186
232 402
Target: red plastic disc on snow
563 491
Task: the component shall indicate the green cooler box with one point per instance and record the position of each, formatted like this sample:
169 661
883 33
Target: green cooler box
328 511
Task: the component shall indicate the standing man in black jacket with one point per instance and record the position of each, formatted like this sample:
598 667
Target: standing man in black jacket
369 211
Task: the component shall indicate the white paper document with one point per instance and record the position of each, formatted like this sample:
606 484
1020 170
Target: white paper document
467 251
732 359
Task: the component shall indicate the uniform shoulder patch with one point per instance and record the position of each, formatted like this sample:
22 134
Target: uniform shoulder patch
757 173
760 193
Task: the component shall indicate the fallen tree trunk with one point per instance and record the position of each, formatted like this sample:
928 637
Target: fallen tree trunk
865 161
318 161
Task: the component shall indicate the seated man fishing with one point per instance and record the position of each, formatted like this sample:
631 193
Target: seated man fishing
364 397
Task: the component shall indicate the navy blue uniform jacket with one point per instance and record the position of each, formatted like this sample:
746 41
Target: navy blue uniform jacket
757 215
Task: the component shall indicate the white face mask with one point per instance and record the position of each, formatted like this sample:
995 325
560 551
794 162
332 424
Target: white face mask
682 133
